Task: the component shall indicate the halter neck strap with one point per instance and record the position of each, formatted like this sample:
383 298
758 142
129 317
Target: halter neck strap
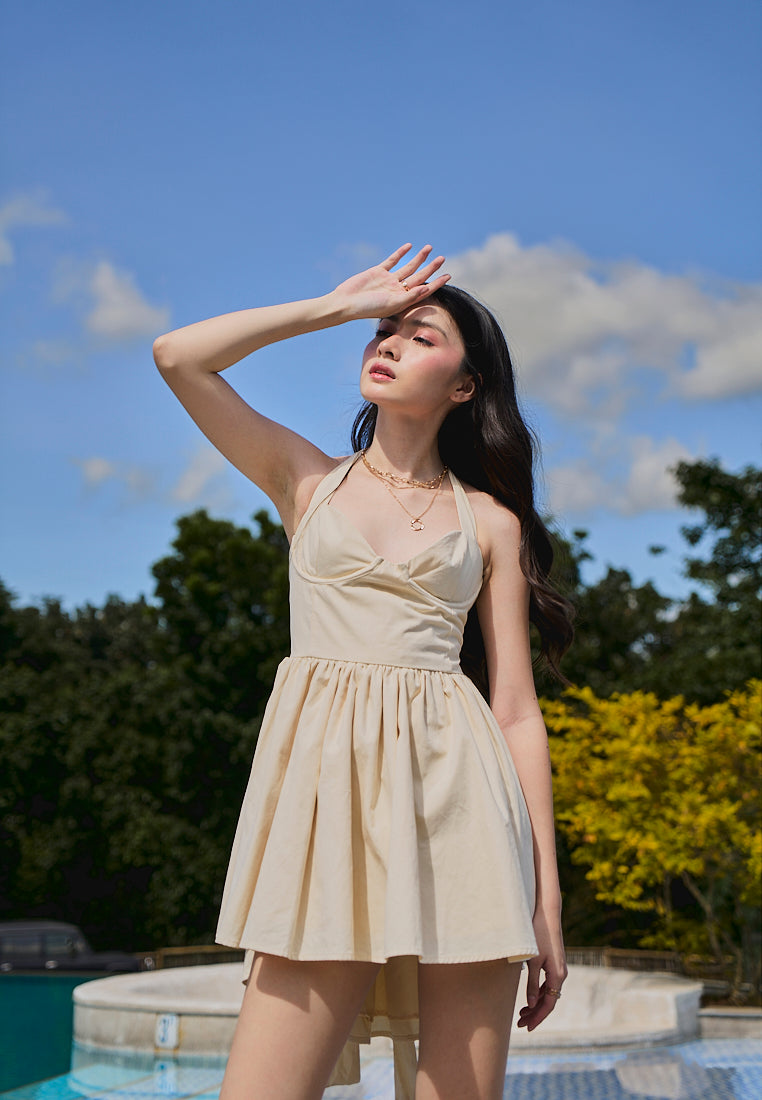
328 485
463 505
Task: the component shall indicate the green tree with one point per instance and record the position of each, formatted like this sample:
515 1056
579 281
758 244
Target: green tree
712 643
223 608
632 638
126 734
51 675
618 625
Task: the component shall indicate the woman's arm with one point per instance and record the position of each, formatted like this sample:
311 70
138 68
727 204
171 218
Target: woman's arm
281 462
503 608
276 459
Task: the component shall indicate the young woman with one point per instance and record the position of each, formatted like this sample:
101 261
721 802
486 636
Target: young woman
394 861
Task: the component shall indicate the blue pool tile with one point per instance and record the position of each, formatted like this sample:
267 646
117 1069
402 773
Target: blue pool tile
703 1070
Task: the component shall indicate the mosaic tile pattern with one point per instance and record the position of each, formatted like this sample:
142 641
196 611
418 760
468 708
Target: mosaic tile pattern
717 1069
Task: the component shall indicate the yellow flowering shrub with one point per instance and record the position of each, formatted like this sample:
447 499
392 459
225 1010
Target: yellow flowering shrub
649 791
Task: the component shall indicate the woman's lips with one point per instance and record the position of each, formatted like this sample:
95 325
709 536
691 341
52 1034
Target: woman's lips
379 371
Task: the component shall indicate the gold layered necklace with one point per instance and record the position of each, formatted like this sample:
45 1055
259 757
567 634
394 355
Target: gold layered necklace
398 479
389 480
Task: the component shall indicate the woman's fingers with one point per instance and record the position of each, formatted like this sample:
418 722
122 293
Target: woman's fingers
540 1003
530 1018
396 256
533 981
427 289
425 273
412 265
412 275
381 291
414 278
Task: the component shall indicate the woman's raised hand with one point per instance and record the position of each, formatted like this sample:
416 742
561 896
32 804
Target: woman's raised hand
381 292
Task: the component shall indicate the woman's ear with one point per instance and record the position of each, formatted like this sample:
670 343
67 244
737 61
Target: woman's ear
465 390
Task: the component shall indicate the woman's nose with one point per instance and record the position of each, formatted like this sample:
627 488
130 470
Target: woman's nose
388 347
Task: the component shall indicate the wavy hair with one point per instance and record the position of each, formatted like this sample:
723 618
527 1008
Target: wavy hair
487 444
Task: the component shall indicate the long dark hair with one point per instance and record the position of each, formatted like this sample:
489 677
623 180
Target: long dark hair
486 443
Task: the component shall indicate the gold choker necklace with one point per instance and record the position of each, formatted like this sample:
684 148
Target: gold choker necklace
397 479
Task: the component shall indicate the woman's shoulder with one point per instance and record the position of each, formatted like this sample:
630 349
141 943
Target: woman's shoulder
493 517
498 528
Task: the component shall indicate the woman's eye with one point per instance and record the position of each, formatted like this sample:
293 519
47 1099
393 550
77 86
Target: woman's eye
382 332
424 341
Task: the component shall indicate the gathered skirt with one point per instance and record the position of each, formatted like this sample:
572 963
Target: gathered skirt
383 822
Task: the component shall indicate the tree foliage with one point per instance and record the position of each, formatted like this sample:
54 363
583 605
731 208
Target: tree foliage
126 737
712 643
651 793
632 638
619 625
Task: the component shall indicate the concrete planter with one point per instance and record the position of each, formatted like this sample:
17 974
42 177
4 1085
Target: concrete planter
193 1010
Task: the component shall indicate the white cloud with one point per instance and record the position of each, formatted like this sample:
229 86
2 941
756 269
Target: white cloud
109 305
581 327
199 478
139 481
650 485
57 352
597 483
24 210
576 488
202 483
96 470
730 360
120 311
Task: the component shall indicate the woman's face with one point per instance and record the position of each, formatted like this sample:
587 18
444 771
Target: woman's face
414 363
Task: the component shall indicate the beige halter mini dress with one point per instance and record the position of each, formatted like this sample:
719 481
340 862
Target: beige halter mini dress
383 820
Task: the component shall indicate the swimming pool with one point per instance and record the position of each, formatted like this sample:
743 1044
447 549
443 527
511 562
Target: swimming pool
36 1025
710 1069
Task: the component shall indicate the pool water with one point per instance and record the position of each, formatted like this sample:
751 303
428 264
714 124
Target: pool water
710 1069
36 1025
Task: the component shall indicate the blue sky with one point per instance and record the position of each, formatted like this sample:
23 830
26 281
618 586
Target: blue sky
591 170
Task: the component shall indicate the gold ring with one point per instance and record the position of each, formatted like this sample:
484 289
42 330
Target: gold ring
406 286
553 992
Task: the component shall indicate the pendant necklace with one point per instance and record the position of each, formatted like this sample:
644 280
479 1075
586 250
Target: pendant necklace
435 483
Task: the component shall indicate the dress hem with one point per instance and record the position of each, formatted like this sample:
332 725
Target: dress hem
517 955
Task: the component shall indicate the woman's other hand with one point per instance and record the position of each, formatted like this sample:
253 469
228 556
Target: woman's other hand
550 960
381 292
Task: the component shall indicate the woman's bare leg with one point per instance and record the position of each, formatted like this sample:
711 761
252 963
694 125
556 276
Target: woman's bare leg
466 1013
294 1021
